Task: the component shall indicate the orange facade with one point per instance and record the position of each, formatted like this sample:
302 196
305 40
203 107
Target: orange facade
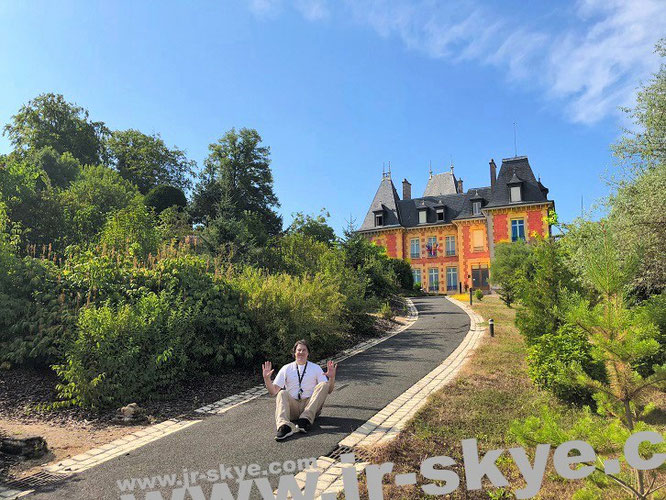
450 258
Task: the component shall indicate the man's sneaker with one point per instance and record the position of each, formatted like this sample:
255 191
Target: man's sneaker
303 424
283 432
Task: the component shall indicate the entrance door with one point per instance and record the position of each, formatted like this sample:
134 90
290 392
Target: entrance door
480 278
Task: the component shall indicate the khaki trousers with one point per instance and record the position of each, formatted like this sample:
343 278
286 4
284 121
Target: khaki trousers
288 408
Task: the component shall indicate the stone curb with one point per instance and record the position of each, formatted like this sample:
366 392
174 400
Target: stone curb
121 446
387 423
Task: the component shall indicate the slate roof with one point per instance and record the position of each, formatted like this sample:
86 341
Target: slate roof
458 206
386 199
441 184
517 169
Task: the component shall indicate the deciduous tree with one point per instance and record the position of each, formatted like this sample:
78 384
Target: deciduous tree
316 227
236 179
50 121
146 161
637 209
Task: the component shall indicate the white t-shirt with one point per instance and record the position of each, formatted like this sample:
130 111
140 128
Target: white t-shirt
287 378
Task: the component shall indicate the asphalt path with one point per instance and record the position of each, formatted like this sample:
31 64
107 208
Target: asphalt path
365 384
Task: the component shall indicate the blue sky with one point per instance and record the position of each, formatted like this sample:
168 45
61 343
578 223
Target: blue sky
338 87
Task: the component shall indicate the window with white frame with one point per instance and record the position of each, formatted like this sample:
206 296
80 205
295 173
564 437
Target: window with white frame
517 229
433 279
440 214
379 220
423 218
415 248
416 273
476 208
450 245
451 279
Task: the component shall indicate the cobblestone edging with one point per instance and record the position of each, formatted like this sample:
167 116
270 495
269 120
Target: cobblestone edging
387 423
97 456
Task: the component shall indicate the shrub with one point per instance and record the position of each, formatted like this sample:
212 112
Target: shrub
386 312
315 227
132 350
373 265
551 356
40 302
653 311
403 273
417 287
162 197
87 202
132 231
296 254
286 308
61 169
353 287
548 278
478 294
508 269
173 225
37 312
125 352
30 201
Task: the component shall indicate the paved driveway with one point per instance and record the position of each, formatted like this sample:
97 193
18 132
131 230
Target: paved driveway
244 435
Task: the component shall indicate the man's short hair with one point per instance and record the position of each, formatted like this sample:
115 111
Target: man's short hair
300 342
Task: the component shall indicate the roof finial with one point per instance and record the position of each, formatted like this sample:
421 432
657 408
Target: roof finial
451 163
515 143
383 169
389 170
430 170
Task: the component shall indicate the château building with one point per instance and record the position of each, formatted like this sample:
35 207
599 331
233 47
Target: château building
449 235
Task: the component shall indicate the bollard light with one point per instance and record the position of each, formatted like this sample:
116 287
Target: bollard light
470 296
491 325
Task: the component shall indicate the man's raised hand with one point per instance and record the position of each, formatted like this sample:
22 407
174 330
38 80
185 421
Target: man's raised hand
331 368
267 370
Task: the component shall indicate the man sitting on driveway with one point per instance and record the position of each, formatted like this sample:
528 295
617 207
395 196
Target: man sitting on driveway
301 388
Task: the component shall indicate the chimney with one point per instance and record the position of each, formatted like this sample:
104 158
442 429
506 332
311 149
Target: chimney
493 173
460 187
406 190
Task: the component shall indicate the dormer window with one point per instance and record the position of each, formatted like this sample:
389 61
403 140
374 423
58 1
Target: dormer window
423 216
515 188
440 214
477 203
379 219
515 194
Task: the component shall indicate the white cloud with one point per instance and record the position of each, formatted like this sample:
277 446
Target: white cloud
265 8
312 10
590 59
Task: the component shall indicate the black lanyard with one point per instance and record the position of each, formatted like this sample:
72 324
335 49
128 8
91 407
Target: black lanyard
300 378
